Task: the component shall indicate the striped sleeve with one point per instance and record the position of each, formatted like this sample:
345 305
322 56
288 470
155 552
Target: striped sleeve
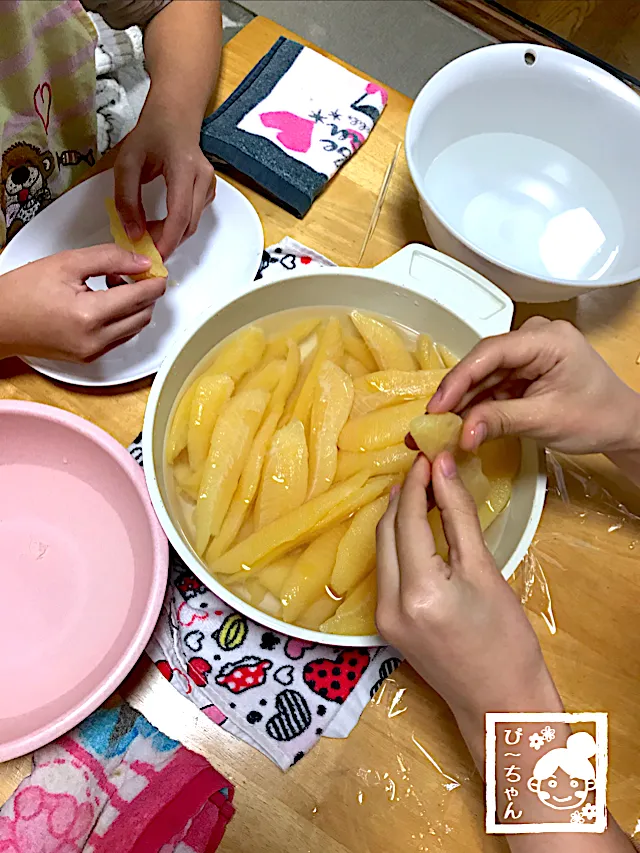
121 14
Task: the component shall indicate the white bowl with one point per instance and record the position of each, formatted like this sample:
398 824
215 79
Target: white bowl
525 160
418 287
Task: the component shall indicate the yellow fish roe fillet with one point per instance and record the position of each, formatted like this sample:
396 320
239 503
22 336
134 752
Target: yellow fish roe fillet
144 246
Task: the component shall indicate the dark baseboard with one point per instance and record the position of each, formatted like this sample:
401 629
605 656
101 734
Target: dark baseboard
504 25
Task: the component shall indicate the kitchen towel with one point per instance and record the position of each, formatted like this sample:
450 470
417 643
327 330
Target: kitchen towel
115 783
293 121
279 694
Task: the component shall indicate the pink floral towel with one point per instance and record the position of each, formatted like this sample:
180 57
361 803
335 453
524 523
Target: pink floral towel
115 784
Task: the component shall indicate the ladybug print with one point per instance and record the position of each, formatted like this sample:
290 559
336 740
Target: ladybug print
334 680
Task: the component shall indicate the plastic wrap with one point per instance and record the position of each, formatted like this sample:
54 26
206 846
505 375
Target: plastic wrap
405 778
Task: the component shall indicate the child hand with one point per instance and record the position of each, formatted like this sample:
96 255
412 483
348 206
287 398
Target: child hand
47 310
544 382
458 623
161 144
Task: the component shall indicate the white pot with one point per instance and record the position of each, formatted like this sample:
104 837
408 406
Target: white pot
419 288
525 161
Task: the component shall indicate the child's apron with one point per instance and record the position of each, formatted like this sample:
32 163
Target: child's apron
47 105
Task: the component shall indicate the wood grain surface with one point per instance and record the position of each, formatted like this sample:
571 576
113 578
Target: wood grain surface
403 780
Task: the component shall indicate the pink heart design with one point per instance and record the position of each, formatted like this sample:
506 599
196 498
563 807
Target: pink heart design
42 103
294 649
373 88
295 132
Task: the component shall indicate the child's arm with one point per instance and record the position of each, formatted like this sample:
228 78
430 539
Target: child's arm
182 50
47 310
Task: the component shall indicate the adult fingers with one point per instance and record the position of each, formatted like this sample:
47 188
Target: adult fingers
496 418
387 566
110 306
128 192
415 544
107 259
459 515
180 191
512 351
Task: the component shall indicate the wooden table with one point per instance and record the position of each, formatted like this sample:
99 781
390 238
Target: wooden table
389 785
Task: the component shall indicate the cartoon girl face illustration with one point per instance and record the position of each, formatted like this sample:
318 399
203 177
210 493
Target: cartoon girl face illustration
563 777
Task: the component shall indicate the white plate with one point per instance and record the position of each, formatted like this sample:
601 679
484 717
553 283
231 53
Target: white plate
223 255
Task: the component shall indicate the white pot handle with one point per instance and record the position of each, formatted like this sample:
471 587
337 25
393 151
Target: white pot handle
451 284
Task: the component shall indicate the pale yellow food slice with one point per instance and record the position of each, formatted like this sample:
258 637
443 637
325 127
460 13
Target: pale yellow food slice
256 591
499 497
427 354
188 481
230 443
450 360
471 474
381 428
435 522
144 246
436 433
357 613
275 539
285 477
353 367
239 354
387 347
179 432
273 576
288 380
501 457
332 403
311 573
356 555
318 612
277 344
263 378
356 348
396 459
372 489
246 490
252 471
210 395
330 348
390 387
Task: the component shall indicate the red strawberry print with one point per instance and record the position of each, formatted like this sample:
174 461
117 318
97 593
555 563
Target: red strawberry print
165 668
335 679
198 669
243 674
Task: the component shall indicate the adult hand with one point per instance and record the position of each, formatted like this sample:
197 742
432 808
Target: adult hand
458 623
48 311
162 143
544 382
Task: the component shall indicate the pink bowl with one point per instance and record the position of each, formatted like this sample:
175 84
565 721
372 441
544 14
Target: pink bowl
83 570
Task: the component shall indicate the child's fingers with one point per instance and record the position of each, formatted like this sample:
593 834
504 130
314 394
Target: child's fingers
180 190
202 195
123 330
128 193
459 515
107 259
126 300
